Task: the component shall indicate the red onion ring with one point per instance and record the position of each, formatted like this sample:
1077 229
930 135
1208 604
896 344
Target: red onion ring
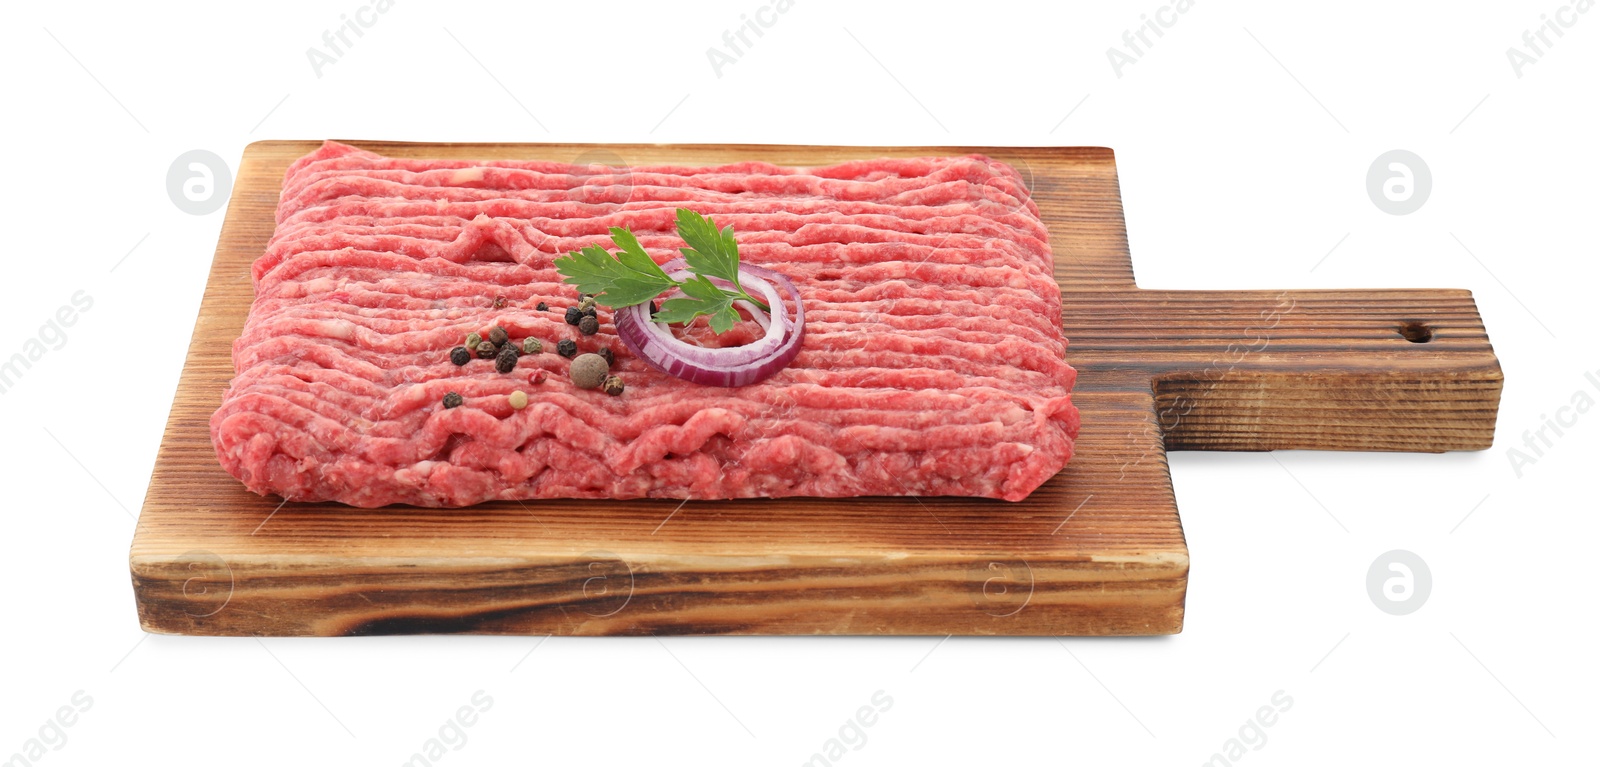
732 366
774 329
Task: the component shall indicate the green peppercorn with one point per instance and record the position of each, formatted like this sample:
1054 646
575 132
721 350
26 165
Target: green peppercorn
460 355
531 345
567 347
486 350
613 385
586 304
452 399
543 307
611 359
573 315
498 335
473 339
588 326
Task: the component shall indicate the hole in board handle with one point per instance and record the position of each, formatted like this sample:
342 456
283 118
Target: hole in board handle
1416 332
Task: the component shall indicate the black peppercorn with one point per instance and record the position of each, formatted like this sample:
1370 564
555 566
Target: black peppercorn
452 399
543 307
588 326
612 386
507 359
573 315
498 335
611 359
486 350
460 355
567 348
590 312
499 302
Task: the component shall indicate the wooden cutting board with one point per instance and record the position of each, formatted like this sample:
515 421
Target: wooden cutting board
1097 550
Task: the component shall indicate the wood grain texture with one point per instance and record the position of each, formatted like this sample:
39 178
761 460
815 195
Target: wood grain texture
1098 550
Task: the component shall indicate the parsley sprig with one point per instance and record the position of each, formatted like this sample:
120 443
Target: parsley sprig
631 277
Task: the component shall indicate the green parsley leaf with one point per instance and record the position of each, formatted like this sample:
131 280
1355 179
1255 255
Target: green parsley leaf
711 252
633 255
630 278
701 297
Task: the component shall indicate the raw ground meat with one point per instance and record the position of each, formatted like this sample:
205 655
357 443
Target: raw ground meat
932 362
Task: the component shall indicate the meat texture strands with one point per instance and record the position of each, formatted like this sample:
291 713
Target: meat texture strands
932 362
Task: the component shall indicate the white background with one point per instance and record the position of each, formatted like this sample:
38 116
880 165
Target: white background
1233 176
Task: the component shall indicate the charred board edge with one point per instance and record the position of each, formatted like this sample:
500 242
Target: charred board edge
203 594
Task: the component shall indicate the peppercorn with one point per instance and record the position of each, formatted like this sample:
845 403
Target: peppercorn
452 399
589 326
543 307
518 400
473 339
586 304
498 335
613 385
536 377
590 312
567 347
506 359
611 359
499 302
460 355
531 345
573 315
588 371
486 349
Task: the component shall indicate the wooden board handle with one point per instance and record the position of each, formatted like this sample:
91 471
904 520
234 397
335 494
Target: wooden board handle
1405 370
